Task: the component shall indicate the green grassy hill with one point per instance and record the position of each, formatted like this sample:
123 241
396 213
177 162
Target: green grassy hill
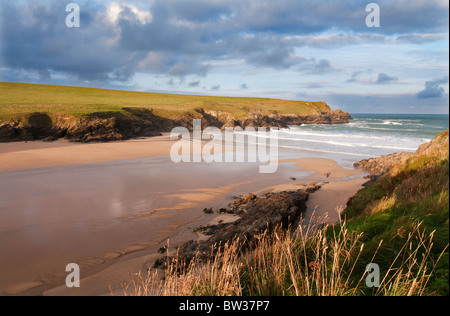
35 112
19 99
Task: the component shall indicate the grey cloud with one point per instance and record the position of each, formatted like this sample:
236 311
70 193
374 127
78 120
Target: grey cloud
200 10
313 85
322 67
194 84
243 86
385 79
184 68
388 103
184 35
273 58
311 16
35 38
354 77
410 16
433 89
420 38
215 88
362 77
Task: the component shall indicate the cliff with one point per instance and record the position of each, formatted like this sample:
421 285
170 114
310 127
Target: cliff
40 112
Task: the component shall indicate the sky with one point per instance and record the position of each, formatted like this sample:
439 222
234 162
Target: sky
310 50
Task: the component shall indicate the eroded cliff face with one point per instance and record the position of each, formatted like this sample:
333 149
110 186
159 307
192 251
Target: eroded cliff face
136 122
257 119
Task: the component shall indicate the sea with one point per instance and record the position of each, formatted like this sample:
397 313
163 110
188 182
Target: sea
367 136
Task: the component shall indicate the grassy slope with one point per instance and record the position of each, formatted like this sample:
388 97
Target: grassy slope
390 209
18 99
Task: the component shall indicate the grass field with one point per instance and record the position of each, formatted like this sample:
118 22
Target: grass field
19 100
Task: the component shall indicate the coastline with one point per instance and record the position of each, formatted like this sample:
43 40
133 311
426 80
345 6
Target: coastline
102 116
174 214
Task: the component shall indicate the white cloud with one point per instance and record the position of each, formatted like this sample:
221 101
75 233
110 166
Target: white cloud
114 9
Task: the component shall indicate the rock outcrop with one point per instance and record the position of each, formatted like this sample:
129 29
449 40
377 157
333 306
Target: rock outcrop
381 165
138 122
256 215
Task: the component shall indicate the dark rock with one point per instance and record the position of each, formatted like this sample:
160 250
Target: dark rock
223 211
36 127
313 187
139 122
162 250
257 215
208 210
95 129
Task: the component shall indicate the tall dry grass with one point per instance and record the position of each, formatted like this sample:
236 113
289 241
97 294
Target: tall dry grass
304 262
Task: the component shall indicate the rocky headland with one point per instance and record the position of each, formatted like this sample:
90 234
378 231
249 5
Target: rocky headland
140 122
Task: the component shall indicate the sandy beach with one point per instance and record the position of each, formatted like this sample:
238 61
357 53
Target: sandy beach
32 155
109 207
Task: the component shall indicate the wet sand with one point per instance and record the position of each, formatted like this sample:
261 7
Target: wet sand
31 155
110 207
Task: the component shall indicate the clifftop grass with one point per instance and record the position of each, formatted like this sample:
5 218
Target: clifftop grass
19 100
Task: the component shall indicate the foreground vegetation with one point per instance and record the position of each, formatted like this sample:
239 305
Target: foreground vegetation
400 222
414 193
310 264
18 100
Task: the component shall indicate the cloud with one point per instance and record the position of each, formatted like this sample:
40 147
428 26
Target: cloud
312 16
313 85
420 38
178 38
35 38
385 79
115 10
366 77
184 68
386 103
215 88
243 86
354 76
322 67
433 89
194 84
200 11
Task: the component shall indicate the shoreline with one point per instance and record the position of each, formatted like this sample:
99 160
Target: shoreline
109 265
39 154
